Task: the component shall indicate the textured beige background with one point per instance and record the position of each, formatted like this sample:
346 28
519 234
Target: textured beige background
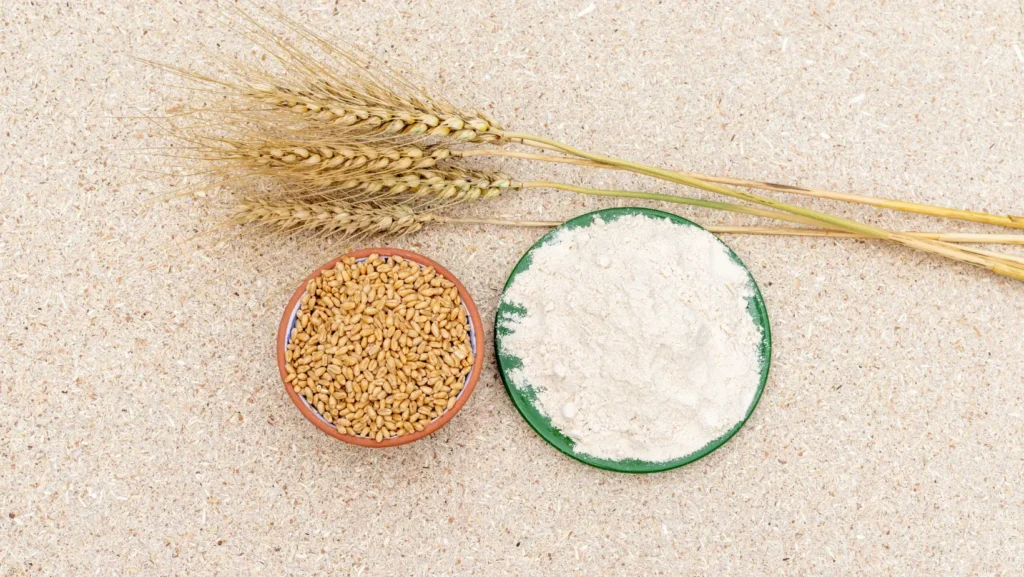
144 427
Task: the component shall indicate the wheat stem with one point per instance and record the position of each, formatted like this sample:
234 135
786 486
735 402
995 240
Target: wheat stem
958 238
751 210
360 106
900 205
1010 221
940 237
766 231
995 264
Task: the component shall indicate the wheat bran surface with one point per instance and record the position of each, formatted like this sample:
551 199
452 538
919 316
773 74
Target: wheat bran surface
145 431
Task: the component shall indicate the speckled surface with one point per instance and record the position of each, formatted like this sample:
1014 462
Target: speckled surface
145 431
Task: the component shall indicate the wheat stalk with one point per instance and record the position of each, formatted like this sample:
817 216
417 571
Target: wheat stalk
1010 221
368 101
373 181
980 238
990 261
378 167
958 238
412 116
430 185
993 262
369 168
361 108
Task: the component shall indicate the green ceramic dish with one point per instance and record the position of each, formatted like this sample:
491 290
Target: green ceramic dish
524 398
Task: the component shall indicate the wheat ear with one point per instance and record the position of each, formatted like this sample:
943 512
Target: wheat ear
370 111
389 104
433 188
990 261
328 217
486 131
317 160
364 106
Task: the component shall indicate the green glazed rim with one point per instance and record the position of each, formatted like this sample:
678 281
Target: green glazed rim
524 398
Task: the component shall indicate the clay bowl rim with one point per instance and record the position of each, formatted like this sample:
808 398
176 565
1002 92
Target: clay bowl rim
476 326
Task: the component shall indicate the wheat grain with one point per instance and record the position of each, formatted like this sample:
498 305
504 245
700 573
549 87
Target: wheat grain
384 337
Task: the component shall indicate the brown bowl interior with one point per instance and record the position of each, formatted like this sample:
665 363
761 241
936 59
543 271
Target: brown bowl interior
474 375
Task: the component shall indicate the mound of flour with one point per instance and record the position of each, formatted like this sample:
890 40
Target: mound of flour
637 340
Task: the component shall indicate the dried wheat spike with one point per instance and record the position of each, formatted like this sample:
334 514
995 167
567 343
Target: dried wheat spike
378 111
314 161
449 184
328 217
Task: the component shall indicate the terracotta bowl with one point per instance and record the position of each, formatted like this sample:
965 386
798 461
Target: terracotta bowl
475 338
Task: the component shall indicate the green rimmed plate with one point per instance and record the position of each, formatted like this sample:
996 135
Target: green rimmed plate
524 398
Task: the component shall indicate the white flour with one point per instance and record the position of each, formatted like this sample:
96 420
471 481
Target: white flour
637 340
